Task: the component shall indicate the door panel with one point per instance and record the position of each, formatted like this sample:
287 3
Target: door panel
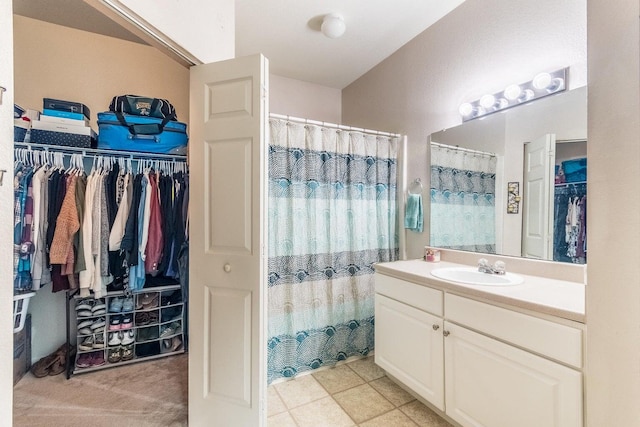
537 241
227 146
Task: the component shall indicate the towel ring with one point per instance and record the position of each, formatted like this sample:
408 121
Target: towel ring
415 187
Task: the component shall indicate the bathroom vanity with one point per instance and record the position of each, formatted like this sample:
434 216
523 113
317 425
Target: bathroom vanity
484 355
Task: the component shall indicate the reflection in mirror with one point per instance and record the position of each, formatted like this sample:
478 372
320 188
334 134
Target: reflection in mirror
539 151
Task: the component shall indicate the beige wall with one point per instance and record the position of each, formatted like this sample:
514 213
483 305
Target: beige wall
59 62
613 294
52 61
304 100
480 47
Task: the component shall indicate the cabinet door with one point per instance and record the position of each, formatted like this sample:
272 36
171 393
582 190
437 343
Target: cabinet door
409 347
492 384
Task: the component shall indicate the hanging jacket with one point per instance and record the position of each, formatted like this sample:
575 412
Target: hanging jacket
155 242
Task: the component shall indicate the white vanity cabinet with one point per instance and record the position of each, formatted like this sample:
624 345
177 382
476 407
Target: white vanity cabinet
480 364
408 339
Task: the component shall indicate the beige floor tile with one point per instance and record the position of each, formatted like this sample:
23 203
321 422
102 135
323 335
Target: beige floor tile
367 369
394 418
338 379
423 416
324 412
275 405
391 391
281 420
300 391
363 403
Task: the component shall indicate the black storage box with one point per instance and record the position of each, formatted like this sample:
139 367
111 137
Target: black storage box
68 106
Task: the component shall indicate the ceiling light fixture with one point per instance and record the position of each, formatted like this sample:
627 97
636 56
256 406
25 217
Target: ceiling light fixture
333 26
543 84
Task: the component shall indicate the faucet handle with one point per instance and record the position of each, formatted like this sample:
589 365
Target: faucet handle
482 262
499 267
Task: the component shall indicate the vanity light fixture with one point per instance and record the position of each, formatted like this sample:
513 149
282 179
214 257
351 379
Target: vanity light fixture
542 85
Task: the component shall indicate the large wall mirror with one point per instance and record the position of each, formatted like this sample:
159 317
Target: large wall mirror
514 183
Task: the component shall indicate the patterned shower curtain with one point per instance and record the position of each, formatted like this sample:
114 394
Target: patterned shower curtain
463 186
332 215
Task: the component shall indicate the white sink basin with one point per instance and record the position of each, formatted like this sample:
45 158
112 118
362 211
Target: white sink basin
471 276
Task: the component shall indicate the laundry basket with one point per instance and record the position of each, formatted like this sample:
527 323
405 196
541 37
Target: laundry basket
20 306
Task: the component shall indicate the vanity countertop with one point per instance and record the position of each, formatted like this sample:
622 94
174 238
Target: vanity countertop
553 297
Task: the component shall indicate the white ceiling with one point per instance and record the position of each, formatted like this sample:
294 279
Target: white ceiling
288 31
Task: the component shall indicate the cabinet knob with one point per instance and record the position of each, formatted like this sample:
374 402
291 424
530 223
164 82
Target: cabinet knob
227 268
446 333
436 327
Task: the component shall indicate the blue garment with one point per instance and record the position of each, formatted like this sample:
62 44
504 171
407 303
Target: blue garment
413 215
136 272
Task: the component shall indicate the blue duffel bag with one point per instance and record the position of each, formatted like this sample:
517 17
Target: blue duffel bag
129 132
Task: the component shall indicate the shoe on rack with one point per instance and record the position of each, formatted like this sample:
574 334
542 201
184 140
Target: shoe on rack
127 352
171 329
83 313
114 355
142 318
87 344
97 358
127 304
115 305
85 324
99 308
98 323
115 338
84 360
85 331
85 304
98 341
128 337
114 323
127 321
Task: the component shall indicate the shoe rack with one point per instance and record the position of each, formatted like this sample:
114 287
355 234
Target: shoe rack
120 329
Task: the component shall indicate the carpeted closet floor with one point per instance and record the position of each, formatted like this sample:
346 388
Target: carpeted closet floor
152 394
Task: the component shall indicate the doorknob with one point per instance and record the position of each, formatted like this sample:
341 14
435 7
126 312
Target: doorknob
2 91
227 268
2 171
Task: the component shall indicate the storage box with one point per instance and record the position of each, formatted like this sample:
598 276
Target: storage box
64 114
65 121
18 111
113 135
22 351
40 136
66 106
575 170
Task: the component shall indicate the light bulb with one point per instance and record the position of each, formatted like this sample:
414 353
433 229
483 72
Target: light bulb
556 85
502 103
465 109
487 101
542 81
526 95
333 26
512 92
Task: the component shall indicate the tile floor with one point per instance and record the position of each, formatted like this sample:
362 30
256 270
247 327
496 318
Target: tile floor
357 393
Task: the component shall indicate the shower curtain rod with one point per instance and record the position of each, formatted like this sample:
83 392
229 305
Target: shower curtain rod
332 125
466 150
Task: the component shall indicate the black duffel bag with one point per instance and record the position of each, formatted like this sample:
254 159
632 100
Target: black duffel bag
146 107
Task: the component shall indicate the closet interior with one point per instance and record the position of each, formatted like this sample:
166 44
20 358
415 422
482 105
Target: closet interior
138 316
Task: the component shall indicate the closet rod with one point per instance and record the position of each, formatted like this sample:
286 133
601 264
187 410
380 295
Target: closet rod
332 125
97 152
569 184
466 150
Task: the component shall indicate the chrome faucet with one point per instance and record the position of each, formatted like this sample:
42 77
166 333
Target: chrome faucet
498 267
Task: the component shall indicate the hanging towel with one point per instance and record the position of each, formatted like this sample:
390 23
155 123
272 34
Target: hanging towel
413 216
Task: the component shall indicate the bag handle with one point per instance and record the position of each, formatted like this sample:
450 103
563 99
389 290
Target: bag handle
142 129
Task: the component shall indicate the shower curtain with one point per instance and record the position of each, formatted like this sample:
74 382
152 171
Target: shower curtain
462 199
332 215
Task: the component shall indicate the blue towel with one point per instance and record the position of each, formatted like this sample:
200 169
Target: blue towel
413 216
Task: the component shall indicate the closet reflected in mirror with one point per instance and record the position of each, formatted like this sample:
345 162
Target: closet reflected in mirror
515 182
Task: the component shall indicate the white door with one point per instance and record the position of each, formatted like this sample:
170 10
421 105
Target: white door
537 219
6 212
492 384
229 112
409 347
